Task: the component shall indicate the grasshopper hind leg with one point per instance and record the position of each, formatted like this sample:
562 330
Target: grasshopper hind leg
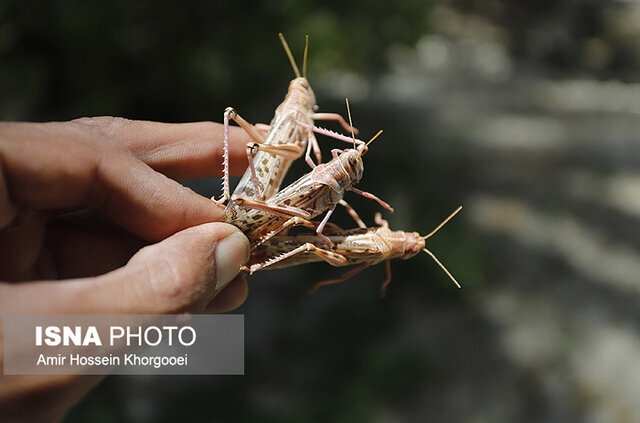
255 134
336 117
342 278
288 151
328 256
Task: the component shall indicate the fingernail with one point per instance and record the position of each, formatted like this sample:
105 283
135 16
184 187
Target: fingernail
231 253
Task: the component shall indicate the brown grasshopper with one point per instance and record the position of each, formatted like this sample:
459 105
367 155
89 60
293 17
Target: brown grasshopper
277 145
319 190
363 246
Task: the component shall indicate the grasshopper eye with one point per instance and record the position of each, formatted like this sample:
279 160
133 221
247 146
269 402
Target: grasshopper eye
352 161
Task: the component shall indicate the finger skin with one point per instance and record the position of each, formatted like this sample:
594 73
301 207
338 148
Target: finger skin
178 150
82 247
21 246
108 165
179 274
8 210
230 298
183 273
73 164
56 166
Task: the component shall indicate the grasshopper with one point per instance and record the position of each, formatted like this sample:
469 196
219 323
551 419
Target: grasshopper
319 190
277 145
363 246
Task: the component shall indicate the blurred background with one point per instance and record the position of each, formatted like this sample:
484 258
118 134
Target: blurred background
526 113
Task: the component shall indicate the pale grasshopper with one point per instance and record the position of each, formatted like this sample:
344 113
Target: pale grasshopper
277 145
319 190
363 246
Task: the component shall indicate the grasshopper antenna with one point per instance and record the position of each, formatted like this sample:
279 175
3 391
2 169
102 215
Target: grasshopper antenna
353 137
304 59
351 123
444 222
442 267
363 148
289 55
374 137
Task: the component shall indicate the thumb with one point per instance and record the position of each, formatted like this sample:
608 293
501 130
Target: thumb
182 273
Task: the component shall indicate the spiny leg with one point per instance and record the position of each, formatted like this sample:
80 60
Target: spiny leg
226 190
254 134
329 133
219 203
387 281
336 117
330 257
294 221
341 278
329 227
277 209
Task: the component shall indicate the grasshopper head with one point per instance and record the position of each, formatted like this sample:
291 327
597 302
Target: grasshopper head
351 161
413 244
301 88
300 84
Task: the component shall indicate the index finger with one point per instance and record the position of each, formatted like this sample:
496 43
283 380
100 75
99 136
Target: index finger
61 166
178 150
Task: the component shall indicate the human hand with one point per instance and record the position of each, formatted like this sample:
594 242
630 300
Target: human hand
55 262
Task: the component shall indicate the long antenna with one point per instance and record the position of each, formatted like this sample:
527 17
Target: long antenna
304 59
374 137
351 123
442 267
364 148
444 222
289 55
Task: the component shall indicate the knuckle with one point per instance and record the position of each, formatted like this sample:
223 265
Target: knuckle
104 128
107 125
